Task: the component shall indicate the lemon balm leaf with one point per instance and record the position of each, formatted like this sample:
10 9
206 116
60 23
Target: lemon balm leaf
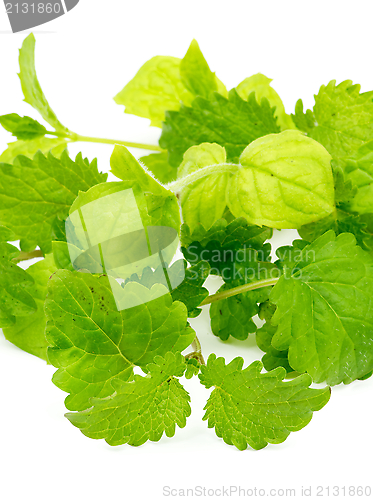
261 85
247 407
196 74
286 181
324 312
34 191
28 332
31 87
92 342
157 87
230 122
142 409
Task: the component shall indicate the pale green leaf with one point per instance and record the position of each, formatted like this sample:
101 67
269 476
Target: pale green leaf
156 88
286 181
30 148
31 87
157 164
28 332
261 85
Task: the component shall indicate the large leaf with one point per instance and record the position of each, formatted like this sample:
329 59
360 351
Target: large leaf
286 181
34 192
142 409
247 407
94 343
233 123
324 310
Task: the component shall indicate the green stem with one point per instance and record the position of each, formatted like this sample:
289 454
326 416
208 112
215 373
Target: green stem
82 138
239 289
28 255
197 353
221 168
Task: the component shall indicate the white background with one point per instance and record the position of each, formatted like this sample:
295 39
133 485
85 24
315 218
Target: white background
83 59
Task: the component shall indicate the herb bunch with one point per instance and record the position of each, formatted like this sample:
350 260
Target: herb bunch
230 168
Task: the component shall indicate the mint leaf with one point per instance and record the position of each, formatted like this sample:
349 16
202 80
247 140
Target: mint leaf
15 285
196 74
94 343
272 358
192 368
30 148
233 123
141 409
157 87
28 332
261 85
157 164
31 87
324 312
344 118
233 316
34 192
251 408
286 181
203 202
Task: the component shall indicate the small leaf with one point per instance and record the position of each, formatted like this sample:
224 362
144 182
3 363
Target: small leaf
157 164
24 128
31 87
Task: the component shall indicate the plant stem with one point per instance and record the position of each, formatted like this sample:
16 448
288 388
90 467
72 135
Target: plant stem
28 255
82 138
221 168
197 353
239 289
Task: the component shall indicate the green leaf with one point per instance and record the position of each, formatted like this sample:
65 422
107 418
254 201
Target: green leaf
157 164
192 368
358 169
261 85
142 409
22 127
225 232
272 357
34 192
94 343
30 148
15 286
196 74
324 310
251 408
191 291
233 123
286 181
31 87
157 87
344 118
342 220
233 316
203 202
28 332
162 204
303 121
